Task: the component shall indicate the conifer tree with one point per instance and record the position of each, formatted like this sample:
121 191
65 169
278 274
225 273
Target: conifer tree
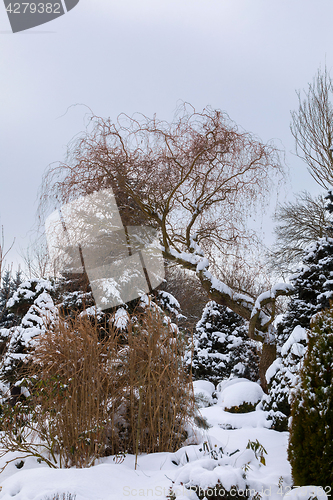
313 286
281 377
222 347
8 318
311 435
5 294
33 304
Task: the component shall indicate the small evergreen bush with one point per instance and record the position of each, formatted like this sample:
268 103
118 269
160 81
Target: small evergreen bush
311 435
222 347
243 408
8 286
33 304
281 377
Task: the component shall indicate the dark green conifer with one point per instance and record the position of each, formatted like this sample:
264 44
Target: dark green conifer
313 285
311 435
222 347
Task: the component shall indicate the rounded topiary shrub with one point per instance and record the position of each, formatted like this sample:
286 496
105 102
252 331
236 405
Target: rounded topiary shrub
311 434
239 395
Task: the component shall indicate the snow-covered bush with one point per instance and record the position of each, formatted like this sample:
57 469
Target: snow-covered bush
239 395
313 285
33 304
222 347
311 434
8 286
215 473
74 294
169 304
203 393
281 377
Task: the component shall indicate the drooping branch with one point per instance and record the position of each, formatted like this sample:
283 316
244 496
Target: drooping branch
257 313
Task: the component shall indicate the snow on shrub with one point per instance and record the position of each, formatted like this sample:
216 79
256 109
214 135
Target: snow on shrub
211 472
33 303
222 346
281 377
240 395
203 393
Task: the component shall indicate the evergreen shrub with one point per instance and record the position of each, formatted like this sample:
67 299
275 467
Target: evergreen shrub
313 287
310 449
222 347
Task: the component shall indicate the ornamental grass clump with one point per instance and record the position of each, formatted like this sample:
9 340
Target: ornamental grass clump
74 382
63 417
97 391
158 398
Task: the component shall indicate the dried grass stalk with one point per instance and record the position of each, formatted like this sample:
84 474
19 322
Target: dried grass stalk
75 378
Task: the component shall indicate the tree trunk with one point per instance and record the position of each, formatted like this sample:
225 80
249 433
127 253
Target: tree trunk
268 355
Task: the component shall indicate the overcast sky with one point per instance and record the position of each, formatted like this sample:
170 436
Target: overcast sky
246 57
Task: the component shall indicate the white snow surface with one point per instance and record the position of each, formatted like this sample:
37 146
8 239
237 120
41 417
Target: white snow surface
275 366
305 493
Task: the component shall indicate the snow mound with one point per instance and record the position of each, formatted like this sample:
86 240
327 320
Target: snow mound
203 386
227 471
240 392
203 391
306 493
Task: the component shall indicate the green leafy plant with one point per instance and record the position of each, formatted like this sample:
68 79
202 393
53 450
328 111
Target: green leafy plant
258 449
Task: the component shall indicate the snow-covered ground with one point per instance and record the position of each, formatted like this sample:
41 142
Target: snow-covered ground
222 460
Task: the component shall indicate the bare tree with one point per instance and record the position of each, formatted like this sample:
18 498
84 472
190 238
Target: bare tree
299 223
3 252
197 179
312 128
36 259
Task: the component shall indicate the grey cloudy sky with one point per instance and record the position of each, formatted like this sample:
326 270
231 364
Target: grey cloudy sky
245 57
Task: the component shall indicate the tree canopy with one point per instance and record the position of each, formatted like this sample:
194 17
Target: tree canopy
196 179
